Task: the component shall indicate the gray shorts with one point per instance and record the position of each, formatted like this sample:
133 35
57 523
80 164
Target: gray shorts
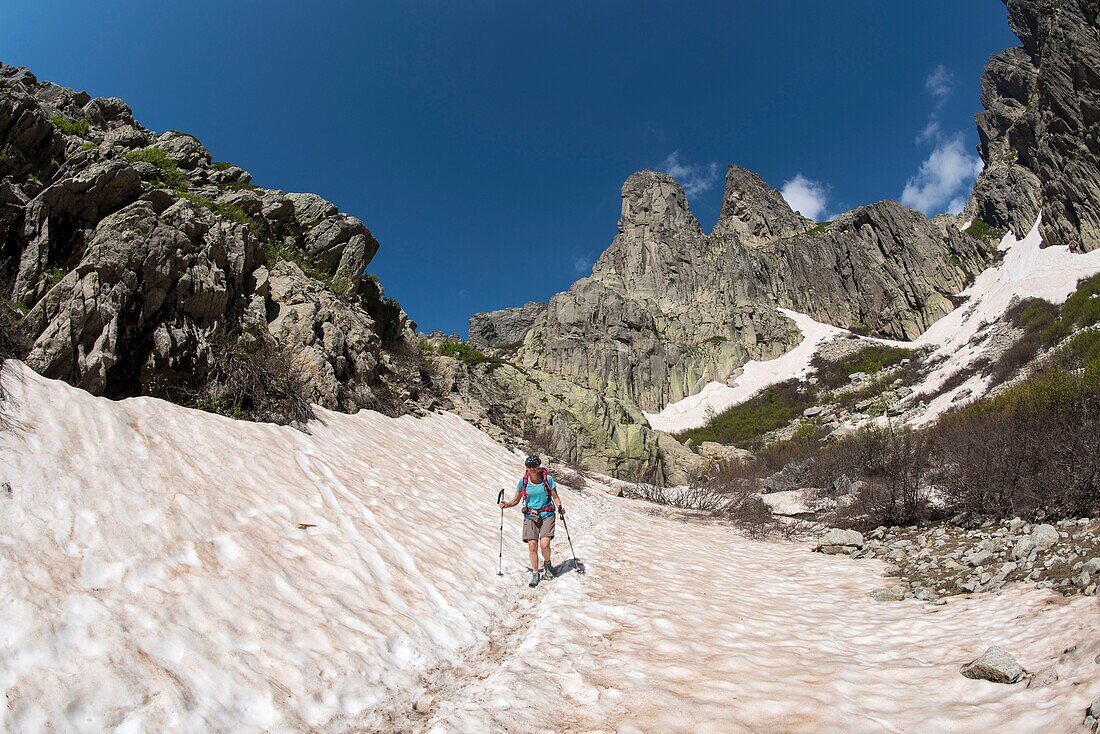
533 529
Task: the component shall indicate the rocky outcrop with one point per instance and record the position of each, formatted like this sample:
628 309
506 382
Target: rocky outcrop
142 264
668 308
755 212
551 415
1038 130
504 328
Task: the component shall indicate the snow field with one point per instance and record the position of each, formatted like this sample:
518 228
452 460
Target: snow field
1027 270
153 577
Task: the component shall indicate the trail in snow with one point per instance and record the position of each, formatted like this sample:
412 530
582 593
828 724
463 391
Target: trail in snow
1027 270
154 578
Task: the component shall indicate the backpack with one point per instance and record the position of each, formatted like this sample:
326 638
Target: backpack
549 507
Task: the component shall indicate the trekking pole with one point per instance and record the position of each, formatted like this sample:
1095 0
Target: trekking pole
500 558
576 564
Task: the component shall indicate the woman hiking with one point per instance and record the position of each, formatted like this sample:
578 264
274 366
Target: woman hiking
539 494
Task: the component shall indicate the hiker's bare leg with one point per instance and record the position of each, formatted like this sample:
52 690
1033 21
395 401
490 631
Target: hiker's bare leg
545 543
533 550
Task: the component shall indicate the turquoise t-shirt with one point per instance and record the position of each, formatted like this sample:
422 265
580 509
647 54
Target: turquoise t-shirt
538 495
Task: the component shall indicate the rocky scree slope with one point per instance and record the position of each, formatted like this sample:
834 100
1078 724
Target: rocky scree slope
134 264
1040 129
669 308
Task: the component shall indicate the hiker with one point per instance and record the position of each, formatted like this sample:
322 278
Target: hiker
539 493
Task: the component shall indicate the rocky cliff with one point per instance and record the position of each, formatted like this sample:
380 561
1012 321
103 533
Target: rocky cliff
1039 131
504 328
135 264
669 308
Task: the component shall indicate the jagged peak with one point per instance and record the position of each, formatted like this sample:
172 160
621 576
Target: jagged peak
655 200
754 211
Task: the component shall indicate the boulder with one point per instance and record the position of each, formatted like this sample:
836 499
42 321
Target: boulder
136 262
836 541
184 149
1044 536
995 665
721 453
1045 677
504 328
896 592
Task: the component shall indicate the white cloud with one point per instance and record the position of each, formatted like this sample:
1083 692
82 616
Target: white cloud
940 83
695 178
944 178
931 131
807 197
582 264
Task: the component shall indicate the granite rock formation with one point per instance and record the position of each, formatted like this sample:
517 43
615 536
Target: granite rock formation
504 328
669 308
132 257
1040 129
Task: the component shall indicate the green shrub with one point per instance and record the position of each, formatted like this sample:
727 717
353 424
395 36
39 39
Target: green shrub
221 165
78 128
53 276
170 172
1045 324
982 231
1082 308
869 359
463 352
821 227
772 408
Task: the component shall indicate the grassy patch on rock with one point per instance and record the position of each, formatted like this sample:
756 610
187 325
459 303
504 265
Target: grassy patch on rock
79 128
982 231
869 359
170 173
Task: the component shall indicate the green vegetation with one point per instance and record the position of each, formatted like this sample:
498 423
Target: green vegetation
277 251
982 231
221 165
469 355
743 424
463 352
16 307
821 227
171 175
78 128
88 145
232 212
1045 324
53 276
869 359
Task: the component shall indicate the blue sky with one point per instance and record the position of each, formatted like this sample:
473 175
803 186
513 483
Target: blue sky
485 143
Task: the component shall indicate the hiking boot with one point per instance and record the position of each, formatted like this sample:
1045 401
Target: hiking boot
548 571
534 578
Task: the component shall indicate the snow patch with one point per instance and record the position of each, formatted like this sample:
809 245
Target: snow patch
691 412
